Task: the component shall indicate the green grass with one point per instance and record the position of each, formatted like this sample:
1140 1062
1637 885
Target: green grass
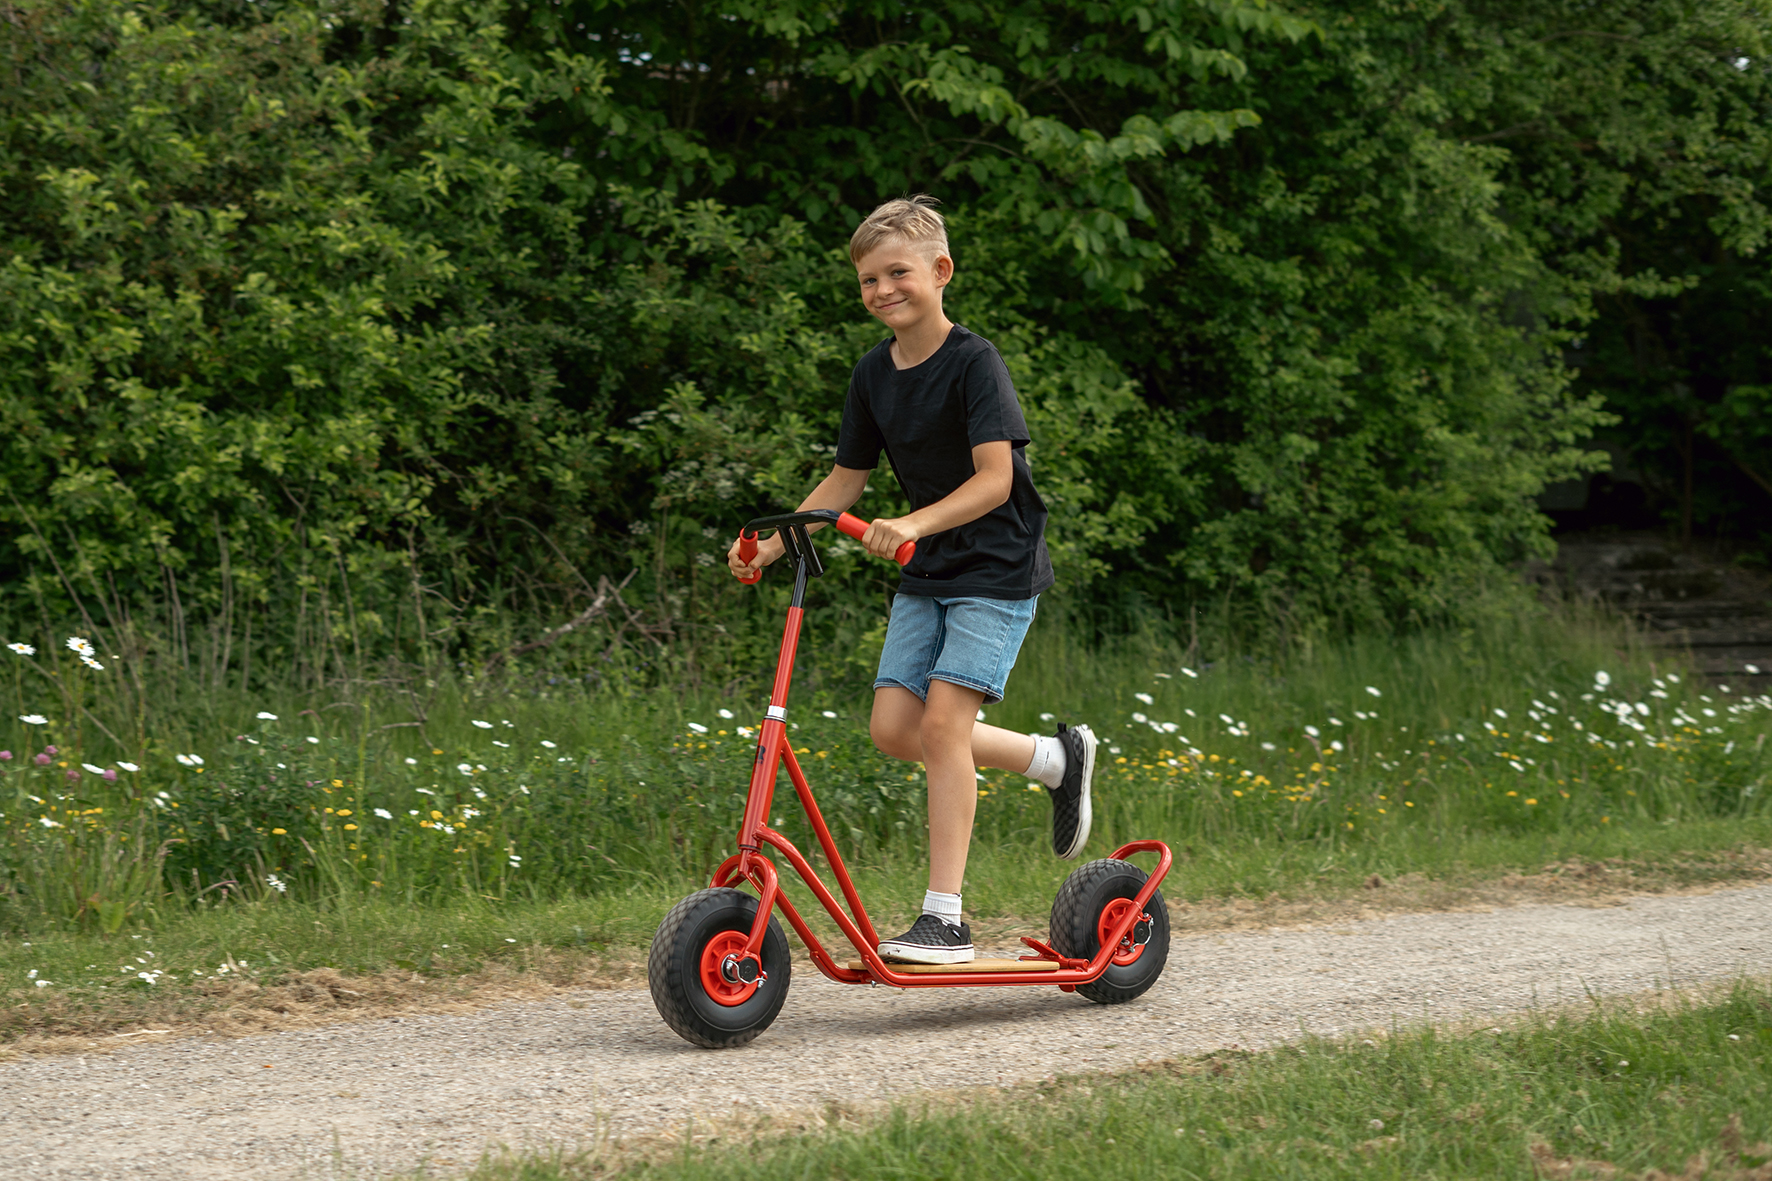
1555 1095
581 815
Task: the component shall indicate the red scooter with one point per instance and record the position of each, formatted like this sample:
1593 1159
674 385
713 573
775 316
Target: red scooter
720 965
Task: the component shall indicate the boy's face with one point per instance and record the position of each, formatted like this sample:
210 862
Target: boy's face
901 284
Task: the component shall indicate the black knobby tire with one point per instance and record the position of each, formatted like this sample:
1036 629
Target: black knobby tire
1076 913
673 970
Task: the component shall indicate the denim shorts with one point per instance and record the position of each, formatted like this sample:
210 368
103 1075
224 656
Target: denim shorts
965 641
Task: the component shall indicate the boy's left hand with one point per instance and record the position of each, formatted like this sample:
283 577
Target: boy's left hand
885 536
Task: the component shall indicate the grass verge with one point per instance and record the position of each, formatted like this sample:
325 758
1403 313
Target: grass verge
1659 1088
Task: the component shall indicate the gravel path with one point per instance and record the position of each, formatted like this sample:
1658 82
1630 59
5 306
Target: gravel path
361 1100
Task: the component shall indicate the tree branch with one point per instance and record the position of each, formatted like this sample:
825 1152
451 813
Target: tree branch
606 591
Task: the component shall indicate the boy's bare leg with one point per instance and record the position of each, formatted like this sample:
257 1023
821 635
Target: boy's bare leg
948 721
897 726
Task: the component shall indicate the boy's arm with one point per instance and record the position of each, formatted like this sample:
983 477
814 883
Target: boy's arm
993 475
839 490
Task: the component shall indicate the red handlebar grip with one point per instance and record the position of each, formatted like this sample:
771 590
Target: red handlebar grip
855 527
747 549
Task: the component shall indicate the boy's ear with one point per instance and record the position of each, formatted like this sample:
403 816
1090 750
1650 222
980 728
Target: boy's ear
944 270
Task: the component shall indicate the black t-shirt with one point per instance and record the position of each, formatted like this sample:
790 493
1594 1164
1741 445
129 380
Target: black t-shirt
927 419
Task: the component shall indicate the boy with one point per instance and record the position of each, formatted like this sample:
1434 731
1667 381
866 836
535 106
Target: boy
939 402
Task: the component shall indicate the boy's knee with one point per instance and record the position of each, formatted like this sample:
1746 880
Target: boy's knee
895 741
938 731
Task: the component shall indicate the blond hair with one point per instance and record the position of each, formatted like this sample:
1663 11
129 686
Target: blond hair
912 220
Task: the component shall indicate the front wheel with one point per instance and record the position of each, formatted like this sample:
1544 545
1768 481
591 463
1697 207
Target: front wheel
690 971
1088 905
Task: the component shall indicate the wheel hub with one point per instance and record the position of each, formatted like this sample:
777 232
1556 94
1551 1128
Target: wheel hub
1132 944
729 975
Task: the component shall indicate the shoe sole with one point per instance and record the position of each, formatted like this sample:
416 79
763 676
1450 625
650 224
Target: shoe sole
1083 814
904 954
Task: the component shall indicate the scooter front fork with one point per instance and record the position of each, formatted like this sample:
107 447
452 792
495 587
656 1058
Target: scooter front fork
760 872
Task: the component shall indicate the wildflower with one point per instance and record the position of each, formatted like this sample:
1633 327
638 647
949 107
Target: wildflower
1165 677
1145 697
46 822
550 745
1140 719
384 813
1335 721
482 725
110 774
313 740
1227 719
745 731
698 728
43 983
829 713
93 769
42 760
979 715
1753 669
1312 731
1169 727
1601 680
350 827
266 716
1188 672
73 775
411 762
1373 691
464 768
276 883
190 760
726 713
507 722
76 644
1047 717
33 719
127 766
5 756
89 662
279 832
23 649
1269 746
496 742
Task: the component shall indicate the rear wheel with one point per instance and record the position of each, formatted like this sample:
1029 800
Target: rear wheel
700 982
1088 905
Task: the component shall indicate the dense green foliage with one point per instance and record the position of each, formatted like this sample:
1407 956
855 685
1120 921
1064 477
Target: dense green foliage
335 330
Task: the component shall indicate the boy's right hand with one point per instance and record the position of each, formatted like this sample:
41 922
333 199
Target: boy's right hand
768 550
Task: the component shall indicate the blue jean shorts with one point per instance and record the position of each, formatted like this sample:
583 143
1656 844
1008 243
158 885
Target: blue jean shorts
964 641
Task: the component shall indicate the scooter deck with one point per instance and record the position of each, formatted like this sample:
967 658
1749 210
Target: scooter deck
973 966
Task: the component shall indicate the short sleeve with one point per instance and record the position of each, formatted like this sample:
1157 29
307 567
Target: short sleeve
858 440
993 413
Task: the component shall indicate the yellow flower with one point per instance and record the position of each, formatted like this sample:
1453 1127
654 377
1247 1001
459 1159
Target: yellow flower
348 828
1531 801
435 815
282 832
344 811
338 783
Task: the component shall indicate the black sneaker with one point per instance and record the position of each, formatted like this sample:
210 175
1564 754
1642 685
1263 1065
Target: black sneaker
931 940
1070 799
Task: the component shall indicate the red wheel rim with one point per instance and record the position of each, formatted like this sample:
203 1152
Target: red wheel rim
713 957
1111 914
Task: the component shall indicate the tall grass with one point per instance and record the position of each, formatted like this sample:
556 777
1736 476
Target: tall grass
539 785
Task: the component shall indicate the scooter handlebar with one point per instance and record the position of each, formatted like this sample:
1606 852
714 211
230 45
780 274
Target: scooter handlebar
855 527
747 549
852 525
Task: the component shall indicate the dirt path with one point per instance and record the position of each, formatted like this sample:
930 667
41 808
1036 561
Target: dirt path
365 1099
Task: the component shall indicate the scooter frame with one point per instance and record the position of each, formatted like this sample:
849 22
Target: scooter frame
740 971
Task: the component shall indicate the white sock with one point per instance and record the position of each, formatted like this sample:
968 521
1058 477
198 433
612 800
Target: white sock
943 906
1049 760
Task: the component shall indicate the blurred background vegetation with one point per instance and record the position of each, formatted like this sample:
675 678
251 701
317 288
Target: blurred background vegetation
331 333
